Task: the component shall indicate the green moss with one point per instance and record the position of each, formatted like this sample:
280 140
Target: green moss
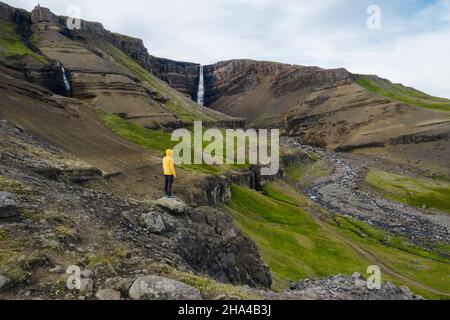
3 236
401 93
149 139
365 231
95 260
11 185
11 46
211 289
296 172
61 284
65 233
281 191
19 267
35 38
306 173
422 193
313 156
121 251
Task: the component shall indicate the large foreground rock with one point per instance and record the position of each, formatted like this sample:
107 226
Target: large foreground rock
8 205
159 288
153 222
173 205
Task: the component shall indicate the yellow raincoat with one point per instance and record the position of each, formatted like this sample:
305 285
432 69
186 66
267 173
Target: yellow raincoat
168 165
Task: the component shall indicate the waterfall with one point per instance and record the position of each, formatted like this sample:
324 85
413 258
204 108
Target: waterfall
253 181
66 81
201 89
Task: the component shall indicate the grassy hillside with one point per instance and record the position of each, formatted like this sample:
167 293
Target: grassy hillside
428 193
401 93
292 244
297 240
158 141
153 140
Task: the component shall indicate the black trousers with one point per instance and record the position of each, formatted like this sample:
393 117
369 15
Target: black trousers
168 185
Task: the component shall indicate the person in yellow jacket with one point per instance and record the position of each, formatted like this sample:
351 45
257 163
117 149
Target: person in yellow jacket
169 173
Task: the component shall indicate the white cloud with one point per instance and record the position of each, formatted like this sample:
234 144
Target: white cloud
412 46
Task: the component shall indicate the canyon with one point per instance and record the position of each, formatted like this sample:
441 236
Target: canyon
86 115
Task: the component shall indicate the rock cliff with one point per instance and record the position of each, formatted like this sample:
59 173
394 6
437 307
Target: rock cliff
105 69
327 107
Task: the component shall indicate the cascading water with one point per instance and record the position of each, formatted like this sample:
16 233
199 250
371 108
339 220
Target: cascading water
66 81
253 181
201 89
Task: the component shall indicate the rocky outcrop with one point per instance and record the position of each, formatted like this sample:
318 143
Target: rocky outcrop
182 76
8 205
301 78
343 288
153 222
229 78
215 190
51 76
226 254
41 14
203 240
422 137
18 16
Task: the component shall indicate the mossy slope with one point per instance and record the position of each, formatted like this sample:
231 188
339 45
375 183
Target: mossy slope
298 240
12 49
422 193
398 92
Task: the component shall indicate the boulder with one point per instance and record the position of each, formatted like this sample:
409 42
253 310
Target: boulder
159 288
8 205
122 285
108 295
87 274
4 283
153 222
173 205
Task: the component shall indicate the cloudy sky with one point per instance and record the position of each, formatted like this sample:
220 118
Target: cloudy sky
412 46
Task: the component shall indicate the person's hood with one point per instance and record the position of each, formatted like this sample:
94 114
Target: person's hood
169 153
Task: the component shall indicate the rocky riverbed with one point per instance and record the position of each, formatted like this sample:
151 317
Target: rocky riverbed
344 192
